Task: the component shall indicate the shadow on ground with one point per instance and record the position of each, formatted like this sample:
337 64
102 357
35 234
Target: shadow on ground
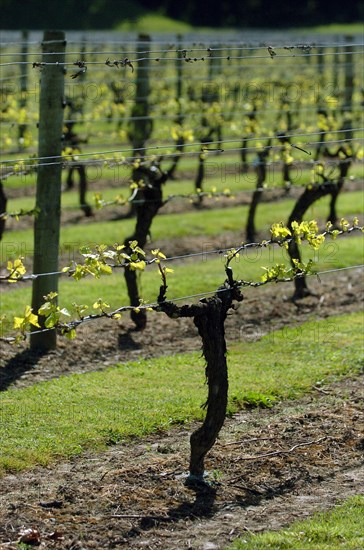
17 366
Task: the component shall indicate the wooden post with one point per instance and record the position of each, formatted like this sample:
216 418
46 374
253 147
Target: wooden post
48 196
321 71
140 128
335 72
179 81
23 84
210 93
348 81
215 61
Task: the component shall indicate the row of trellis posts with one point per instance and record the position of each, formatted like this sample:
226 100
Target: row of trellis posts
51 110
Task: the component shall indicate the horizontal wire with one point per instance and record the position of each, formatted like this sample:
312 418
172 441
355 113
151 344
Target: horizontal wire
330 163
180 60
152 156
338 269
300 68
187 49
33 276
198 144
194 153
148 158
77 322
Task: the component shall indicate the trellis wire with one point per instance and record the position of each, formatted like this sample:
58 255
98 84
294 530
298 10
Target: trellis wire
218 251
205 144
181 60
214 58
330 162
231 45
178 299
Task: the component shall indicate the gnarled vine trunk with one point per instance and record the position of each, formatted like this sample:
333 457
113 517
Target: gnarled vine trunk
344 167
209 316
308 197
147 202
261 171
80 168
73 140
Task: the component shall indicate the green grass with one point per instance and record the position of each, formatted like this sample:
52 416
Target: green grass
66 416
154 23
342 527
221 175
200 222
333 28
158 23
204 274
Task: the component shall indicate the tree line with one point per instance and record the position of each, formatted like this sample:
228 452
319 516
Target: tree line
104 14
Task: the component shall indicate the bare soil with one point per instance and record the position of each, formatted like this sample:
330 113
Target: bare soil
263 310
268 468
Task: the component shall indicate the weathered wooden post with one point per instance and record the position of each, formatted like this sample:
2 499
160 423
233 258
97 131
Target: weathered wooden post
348 83
320 71
335 72
23 84
179 80
48 196
140 127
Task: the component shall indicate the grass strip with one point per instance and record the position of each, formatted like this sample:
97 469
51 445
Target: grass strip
204 274
68 415
341 527
209 222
